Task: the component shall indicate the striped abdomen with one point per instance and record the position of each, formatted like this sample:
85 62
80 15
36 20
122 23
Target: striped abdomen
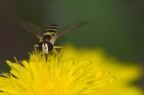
50 31
52 28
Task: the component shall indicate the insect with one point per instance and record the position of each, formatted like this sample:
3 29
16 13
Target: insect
48 39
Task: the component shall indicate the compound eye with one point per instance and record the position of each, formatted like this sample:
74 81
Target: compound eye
50 46
40 45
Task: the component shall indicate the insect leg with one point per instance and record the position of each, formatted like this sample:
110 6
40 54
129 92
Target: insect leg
35 50
58 47
55 49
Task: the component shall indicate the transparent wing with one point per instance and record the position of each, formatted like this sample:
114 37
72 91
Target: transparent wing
32 28
70 28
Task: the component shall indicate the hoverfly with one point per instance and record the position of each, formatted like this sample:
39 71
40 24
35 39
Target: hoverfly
52 33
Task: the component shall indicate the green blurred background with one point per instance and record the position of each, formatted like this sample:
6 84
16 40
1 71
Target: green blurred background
114 25
117 26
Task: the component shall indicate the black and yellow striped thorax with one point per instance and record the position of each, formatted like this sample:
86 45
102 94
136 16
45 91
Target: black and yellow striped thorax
50 32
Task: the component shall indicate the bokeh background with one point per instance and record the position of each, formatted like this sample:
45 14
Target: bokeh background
117 26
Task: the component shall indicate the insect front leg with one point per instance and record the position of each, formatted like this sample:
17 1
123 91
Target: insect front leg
55 49
41 54
35 48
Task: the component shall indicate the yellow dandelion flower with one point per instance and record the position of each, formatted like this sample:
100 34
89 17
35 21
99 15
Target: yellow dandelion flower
65 74
125 72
